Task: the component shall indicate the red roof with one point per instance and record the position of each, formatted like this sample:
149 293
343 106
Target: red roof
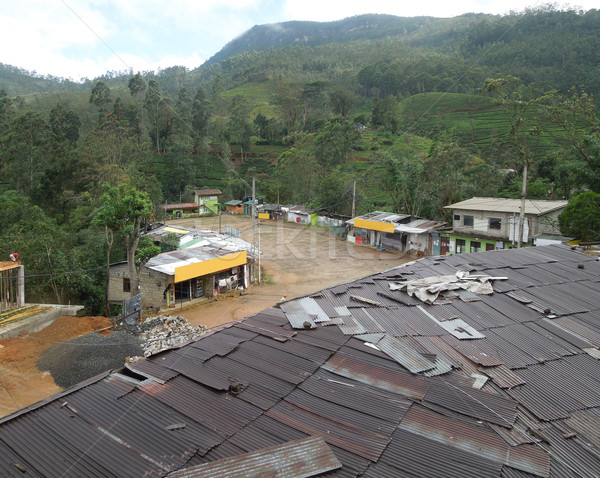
183 205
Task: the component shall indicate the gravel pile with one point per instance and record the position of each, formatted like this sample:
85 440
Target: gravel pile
75 360
78 359
163 332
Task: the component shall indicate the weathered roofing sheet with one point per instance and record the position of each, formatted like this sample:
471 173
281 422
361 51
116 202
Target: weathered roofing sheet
300 458
400 400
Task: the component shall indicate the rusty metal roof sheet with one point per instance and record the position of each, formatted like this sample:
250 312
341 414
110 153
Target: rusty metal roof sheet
380 377
410 454
405 355
304 457
473 403
475 439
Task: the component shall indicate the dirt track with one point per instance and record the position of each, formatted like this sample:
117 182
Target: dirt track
298 260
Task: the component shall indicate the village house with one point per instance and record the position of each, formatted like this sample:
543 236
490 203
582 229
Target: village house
270 211
247 204
297 214
484 224
184 234
400 232
471 365
205 265
181 209
235 206
208 200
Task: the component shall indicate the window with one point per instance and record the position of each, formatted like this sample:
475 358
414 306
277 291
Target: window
468 221
495 223
475 246
126 284
457 217
460 246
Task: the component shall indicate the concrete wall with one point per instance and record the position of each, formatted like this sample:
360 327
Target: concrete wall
547 224
39 321
481 223
152 286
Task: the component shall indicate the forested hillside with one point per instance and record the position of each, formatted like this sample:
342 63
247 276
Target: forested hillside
419 112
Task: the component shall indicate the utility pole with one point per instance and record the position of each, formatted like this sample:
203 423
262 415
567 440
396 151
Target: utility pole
253 213
219 207
259 252
523 197
354 199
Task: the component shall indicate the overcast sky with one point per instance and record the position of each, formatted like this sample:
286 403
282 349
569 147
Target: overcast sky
86 38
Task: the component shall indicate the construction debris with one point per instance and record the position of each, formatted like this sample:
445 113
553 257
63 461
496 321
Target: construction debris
166 331
429 288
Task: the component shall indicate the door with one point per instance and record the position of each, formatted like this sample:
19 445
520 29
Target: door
445 245
435 245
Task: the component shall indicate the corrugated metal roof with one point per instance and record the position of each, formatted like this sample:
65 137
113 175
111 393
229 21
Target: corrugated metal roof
503 376
261 383
404 355
473 403
379 377
535 207
475 439
410 454
300 458
208 192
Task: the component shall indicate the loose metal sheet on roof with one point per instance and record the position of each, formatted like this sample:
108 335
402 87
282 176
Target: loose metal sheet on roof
300 458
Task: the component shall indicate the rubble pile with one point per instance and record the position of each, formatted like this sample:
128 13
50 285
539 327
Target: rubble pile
166 331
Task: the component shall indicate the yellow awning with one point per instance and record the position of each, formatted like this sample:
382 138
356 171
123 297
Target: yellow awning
210 266
175 230
374 225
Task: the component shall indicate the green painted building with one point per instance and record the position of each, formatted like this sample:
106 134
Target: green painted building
208 200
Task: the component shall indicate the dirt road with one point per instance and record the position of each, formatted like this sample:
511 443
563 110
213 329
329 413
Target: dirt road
298 260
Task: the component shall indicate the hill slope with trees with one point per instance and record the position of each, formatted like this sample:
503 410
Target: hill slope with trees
419 113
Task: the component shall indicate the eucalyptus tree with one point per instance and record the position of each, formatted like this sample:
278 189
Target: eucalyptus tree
101 97
153 103
200 116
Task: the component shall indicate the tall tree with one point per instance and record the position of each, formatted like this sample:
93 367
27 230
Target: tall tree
341 100
403 179
153 102
336 141
136 85
100 97
288 103
580 219
574 124
508 91
26 151
123 209
64 124
239 126
200 116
